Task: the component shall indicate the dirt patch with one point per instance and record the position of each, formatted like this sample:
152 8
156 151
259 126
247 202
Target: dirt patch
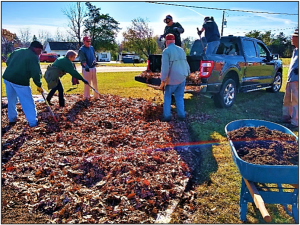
260 145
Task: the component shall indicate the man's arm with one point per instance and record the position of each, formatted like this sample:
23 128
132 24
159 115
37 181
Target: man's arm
165 66
179 28
82 57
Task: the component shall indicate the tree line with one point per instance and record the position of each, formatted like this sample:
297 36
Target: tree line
87 19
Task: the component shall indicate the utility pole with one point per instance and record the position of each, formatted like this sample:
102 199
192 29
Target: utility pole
222 23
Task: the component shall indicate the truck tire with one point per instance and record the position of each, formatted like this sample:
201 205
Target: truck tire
227 95
276 85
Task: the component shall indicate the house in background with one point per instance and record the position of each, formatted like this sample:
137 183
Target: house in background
61 48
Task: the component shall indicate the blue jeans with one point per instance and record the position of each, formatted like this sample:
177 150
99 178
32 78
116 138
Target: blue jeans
212 47
15 91
60 90
178 91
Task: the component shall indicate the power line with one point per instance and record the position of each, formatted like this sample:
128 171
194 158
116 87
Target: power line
237 10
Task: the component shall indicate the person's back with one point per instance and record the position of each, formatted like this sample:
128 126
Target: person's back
211 31
179 68
21 66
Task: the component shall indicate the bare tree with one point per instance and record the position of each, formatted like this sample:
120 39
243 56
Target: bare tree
24 37
139 38
59 36
75 14
44 36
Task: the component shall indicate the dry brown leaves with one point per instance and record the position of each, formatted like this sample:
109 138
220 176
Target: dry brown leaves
193 78
106 161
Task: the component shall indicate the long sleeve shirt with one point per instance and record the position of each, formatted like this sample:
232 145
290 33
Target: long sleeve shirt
174 65
170 30
87 55
293 74
211 31
65 65
22 65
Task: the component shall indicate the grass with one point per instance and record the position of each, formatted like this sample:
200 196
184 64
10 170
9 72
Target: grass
217 178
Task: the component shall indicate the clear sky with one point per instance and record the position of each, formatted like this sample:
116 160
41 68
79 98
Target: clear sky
48 16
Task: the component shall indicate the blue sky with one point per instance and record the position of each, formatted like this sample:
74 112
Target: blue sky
48 16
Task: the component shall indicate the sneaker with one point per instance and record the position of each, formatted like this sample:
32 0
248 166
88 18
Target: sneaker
181 118
165 119
12 123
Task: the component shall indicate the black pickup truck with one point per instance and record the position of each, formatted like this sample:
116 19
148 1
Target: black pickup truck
241 64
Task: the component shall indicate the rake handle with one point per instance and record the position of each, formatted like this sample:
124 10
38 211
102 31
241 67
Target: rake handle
49 108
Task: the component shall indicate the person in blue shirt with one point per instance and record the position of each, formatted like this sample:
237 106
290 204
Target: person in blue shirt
87 58
290 100
212 35
174 70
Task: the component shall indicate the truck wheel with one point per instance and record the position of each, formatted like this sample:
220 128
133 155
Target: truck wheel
276 83
226 97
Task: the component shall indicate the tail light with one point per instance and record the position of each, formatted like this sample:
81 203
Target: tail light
148 64
206 68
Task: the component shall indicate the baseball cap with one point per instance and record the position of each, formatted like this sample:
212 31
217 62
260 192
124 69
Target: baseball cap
296 33
170 37
168 17
36 44
86 38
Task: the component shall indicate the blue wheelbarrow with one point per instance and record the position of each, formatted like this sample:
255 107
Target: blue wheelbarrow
253 175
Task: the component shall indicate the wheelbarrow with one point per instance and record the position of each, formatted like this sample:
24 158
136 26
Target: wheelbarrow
254 176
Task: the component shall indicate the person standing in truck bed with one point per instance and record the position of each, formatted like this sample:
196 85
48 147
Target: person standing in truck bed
174 28
212 35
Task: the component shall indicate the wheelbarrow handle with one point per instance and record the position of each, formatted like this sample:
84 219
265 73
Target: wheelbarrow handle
259 202
49 107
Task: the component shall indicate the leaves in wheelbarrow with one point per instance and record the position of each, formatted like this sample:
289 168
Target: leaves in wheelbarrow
260 145
105 161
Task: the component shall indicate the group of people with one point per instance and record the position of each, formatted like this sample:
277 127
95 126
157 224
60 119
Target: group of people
23 64
175 67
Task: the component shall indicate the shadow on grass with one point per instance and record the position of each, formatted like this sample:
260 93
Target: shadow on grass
72 88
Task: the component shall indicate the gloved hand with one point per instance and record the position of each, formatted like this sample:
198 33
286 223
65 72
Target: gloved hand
85 81
87 68
199 32
39 89
175 28
161 36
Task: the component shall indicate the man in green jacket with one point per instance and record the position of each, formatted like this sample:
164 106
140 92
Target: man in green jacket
22 65
60 67
174 28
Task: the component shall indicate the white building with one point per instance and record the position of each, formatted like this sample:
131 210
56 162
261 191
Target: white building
61 48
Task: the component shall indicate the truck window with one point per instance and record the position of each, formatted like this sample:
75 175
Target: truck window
249 49
262 50
228 47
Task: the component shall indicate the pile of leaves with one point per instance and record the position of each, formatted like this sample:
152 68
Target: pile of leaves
193 78
260 145
105 161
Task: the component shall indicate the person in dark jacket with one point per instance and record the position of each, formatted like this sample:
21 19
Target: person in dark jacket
88 62
212 35
60 67
174 28
22 65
